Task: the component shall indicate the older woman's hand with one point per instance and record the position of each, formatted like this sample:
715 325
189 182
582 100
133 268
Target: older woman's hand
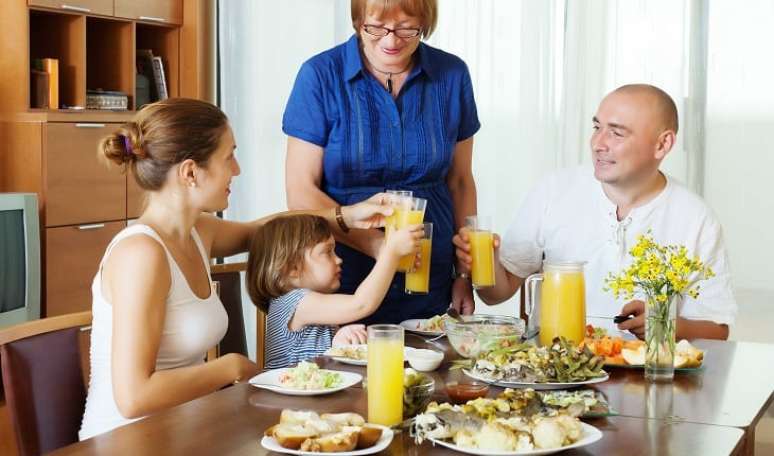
367 214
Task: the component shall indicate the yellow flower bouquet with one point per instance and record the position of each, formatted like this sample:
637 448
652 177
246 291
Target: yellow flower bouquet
660 275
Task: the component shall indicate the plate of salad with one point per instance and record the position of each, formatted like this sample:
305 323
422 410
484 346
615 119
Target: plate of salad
306 379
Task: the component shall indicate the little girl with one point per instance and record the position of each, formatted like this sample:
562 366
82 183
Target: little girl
292 275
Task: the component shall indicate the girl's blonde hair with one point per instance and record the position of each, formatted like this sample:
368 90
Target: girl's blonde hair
425 10
277 247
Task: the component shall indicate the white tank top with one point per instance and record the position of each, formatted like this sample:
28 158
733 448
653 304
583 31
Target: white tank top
191 327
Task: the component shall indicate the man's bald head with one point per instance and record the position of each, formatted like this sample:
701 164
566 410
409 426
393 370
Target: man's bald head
663 104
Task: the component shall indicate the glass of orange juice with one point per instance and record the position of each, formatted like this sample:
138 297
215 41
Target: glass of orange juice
385 374
411 211
396 198
481 250
418 278
562 305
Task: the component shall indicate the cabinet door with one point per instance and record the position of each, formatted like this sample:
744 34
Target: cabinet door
73 254
161 11
80 187
103 7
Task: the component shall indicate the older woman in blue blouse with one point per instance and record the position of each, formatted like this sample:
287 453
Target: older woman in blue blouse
386 111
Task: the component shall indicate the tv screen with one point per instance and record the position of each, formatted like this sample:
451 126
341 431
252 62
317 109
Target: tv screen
13 267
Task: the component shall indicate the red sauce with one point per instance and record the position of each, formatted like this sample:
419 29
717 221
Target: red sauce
459 393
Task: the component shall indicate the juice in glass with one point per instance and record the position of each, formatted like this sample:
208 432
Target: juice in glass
418 279
481 250
398 198
562 303
385 374
412 215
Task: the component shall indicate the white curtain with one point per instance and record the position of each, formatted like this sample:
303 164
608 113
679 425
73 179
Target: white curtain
539 69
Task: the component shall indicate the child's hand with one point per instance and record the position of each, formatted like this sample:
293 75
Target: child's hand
351 335
405 241
461 243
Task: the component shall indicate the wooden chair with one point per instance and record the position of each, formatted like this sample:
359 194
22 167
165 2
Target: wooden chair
43 380
229 285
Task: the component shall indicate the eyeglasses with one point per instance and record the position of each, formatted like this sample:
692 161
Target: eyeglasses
379 31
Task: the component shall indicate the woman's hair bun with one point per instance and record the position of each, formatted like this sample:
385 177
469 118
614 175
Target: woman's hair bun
121 147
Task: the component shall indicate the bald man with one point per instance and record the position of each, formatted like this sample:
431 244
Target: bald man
594 213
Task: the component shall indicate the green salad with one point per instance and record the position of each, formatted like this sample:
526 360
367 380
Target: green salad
309 376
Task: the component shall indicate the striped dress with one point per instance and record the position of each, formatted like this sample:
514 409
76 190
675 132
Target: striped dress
286 348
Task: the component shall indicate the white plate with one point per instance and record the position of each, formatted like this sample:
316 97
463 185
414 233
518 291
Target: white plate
414 324
384 441
361 362
590 435
536 386
270 380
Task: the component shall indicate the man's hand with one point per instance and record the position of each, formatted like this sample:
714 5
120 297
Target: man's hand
634 325
351 335
462 296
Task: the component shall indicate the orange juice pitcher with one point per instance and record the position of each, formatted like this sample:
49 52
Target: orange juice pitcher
562 307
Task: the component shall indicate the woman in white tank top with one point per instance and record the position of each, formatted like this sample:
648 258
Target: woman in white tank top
155 314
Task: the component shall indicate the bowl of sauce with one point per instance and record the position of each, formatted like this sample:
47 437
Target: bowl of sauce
460 393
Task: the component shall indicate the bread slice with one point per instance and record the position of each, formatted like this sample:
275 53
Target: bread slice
291 435
368 436
297 416
344 419
331 443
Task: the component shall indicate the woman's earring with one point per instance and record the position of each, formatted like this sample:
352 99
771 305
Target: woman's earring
192 184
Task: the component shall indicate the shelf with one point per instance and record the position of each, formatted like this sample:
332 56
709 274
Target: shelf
110 56
62 37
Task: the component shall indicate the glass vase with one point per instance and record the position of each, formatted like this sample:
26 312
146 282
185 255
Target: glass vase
660 326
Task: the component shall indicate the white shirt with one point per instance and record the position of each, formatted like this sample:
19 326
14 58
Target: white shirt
568 217
191 327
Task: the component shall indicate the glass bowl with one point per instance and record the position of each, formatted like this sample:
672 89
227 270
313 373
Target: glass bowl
462 392
483 333
416 397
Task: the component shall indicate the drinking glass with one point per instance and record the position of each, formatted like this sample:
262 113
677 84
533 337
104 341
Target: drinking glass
481 250
412 212
385 374
396 198
418 278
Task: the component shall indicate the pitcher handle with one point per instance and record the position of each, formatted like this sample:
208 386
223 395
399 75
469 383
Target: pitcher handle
530 289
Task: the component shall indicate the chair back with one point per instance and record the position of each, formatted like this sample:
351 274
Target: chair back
229 285
43 381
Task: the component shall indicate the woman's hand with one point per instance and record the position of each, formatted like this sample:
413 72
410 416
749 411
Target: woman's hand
462 296
243 368
351 335
367 214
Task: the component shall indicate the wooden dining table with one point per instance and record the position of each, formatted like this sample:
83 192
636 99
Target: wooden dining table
711 411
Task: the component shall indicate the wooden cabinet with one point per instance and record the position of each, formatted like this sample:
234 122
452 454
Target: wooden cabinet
103 7
53 152
161 11
74 173
73 254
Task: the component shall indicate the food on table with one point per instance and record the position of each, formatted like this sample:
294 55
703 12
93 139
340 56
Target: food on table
517 420
356 352
424 360
561 362
308 376
483 333
329 432
418 388
460 393
434 324
619 351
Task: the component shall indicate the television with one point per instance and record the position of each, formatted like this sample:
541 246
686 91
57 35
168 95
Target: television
19 258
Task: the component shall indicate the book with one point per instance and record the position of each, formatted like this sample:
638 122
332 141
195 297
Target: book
144 62
51 66
38 89
159 78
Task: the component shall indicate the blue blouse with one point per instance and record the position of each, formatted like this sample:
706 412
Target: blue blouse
373 142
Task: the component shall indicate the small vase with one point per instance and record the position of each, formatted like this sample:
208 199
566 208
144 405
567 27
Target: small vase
660 326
